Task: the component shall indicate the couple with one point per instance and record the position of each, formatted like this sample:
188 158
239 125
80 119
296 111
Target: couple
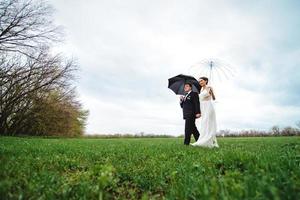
204 110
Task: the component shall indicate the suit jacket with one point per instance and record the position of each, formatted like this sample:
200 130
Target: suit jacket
191 105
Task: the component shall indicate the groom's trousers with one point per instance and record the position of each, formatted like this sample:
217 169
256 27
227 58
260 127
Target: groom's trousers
190 128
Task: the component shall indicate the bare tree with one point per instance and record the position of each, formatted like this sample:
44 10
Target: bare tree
26 26
32 81
21 82
275 130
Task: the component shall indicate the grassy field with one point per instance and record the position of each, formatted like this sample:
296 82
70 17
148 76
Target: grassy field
149 168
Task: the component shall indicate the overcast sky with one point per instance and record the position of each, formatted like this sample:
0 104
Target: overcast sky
127 50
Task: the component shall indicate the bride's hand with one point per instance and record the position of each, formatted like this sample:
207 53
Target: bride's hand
198 115
211 92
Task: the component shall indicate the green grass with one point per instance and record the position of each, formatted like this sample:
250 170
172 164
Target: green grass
151 168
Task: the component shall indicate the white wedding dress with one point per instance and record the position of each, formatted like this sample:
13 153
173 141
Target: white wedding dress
208 124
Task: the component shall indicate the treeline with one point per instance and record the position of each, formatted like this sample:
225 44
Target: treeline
37 96
274 131
127 136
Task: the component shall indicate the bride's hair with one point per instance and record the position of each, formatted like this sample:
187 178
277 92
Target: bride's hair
204 78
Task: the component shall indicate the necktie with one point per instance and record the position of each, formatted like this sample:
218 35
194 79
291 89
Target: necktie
185 96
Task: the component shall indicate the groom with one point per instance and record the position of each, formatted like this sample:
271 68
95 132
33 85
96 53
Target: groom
191 110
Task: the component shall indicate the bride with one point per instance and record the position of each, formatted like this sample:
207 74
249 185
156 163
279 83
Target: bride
208 124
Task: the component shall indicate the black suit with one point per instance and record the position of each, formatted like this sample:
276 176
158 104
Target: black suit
190 107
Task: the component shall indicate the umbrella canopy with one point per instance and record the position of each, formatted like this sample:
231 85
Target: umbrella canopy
215 69
176 83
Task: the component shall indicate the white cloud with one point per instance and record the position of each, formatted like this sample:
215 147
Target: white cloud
128 49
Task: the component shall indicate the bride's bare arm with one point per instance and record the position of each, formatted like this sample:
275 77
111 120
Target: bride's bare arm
211 92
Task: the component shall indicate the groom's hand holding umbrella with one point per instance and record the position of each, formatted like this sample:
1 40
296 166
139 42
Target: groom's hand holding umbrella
181 98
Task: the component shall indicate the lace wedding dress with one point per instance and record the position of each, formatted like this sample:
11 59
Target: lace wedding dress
208 124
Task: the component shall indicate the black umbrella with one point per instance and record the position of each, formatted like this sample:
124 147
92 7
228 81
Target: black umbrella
176 83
